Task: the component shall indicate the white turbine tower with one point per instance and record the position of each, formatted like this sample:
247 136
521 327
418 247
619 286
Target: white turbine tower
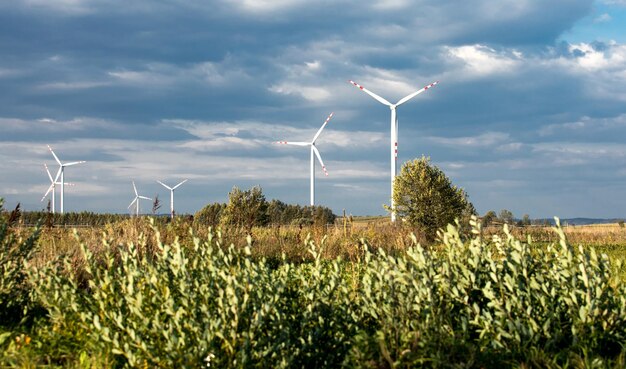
137 198
314 152
52 189
172 195
61 173
394 131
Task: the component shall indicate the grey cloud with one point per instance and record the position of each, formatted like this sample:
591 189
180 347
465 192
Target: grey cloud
200 89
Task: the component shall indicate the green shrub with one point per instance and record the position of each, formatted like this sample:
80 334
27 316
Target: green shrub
14 253
426 198
210 215
460 303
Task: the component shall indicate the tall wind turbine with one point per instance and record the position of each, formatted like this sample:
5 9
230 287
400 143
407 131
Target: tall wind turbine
314 152
137 198
172 195
394 131
62 173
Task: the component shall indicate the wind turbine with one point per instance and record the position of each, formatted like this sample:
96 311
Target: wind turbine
394 130
137 198
172 195
61 172
314 152
53 183
52 188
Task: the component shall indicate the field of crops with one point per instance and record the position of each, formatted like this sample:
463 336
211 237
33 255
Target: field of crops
135 294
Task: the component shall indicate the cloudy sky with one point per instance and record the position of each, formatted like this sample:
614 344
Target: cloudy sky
529 115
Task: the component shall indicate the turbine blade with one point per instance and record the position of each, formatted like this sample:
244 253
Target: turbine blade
132 202
319 157
323 125
47 192
56 178
164 185
178 185
143 197
55 156
48 171
135 188
294 143
74 163
380 99
409 97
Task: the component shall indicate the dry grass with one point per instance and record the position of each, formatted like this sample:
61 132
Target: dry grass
289 242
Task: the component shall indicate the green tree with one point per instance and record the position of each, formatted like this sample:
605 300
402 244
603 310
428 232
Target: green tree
245 209
426 198
209 215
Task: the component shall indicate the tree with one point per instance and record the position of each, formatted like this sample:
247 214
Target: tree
245 209
427 199
506 216
526 220
489 218
209 215
156 205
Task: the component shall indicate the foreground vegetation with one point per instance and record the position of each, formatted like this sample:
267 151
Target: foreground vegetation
145 296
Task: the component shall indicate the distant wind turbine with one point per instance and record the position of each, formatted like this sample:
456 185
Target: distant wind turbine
172 195
314 152
53 183
137 198
61 173
394 131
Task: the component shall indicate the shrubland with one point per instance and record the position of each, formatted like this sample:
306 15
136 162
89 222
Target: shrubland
141 294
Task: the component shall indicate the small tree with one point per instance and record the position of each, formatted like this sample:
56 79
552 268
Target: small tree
245 209
427 199
506 216
489 218
156 205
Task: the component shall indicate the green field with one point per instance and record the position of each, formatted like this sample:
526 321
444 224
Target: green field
357 294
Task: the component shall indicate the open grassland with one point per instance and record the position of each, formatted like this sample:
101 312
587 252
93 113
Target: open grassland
361 293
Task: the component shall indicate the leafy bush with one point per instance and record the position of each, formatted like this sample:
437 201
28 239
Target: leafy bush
473 303
279 212
426 198
245 209
209 216
14 291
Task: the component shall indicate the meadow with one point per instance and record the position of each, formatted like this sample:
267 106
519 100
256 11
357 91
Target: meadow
142 292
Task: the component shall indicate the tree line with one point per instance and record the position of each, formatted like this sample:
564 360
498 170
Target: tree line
249 208
245 209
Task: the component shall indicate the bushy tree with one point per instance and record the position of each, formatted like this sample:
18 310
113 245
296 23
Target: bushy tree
245 209
489 218
209 215
427 199
280 213
506 216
